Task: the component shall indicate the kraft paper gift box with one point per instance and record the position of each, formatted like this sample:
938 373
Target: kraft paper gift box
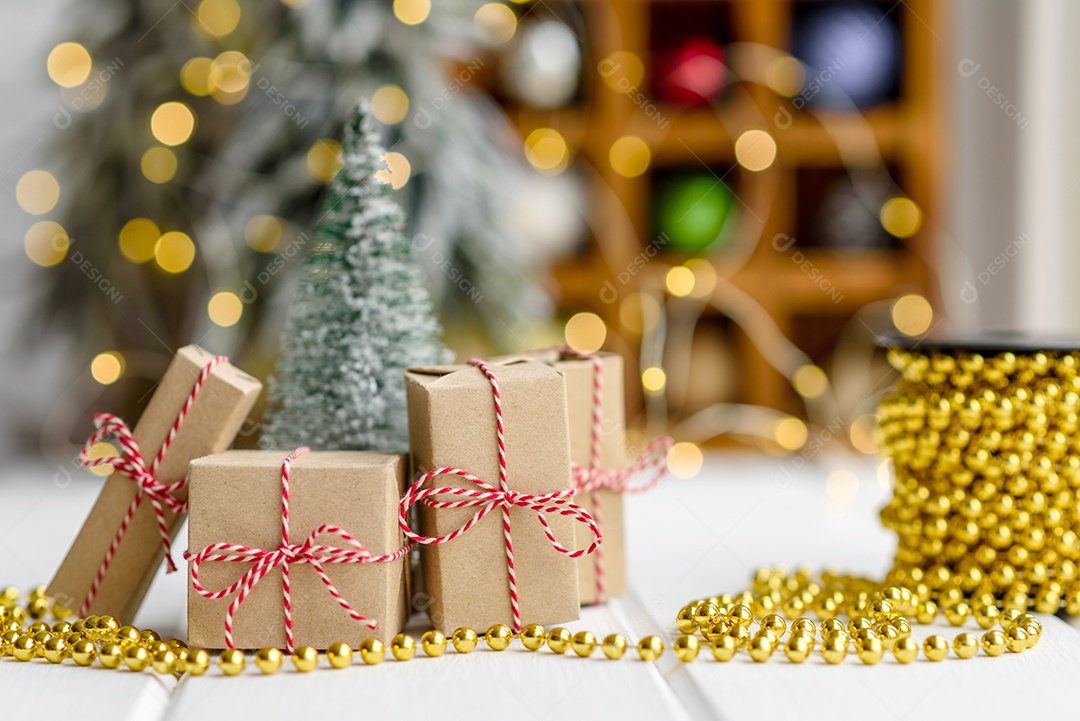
218 408
236 498
605 505
452 424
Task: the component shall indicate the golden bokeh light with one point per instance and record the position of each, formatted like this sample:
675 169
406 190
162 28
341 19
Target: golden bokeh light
69 65
172 123
107 367
263 233
585 332
629 156
790 433
174 252
37 192
324 159
546 150
653 380
685 460
639 312
195 76
390 104
912 314
218 17
46 243
230 77
885 474
755 150
495 22
810 381
138 238
225 308
622 70
863 434
101 449
680 281
841 487
295 3
86 97
704 277
785 76
901 217
158 165
412 12
397 170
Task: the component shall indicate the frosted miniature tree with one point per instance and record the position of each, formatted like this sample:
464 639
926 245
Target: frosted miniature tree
361 315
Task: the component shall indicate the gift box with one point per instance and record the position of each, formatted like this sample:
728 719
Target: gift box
491 448
325 522
196 409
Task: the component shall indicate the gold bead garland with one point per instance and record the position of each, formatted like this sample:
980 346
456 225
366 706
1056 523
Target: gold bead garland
986 456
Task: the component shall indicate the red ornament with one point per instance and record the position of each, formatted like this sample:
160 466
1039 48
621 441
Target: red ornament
694 74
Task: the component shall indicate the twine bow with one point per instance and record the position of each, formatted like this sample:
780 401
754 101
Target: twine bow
131 464
486 498
284 556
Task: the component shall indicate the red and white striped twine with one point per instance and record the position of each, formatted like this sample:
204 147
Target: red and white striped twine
594 479
486 498
284 556
131 464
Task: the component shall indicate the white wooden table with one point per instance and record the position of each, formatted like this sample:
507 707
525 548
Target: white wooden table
687 539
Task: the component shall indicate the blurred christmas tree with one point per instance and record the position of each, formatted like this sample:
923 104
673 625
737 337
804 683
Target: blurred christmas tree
362 314
197 144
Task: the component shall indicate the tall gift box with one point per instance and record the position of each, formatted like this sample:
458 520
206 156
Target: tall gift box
490 537
297 550
196 409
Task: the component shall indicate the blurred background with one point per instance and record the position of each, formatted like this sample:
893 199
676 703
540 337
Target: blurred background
738 196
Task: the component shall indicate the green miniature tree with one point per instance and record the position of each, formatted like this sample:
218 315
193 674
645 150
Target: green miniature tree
361 315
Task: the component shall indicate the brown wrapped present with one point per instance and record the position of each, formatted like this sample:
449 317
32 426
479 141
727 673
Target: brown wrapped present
320 528
495 496
197 408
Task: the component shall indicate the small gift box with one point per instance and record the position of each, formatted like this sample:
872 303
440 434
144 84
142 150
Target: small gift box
491 446
297 550
197 408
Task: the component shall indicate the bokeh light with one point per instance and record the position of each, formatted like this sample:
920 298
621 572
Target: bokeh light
629 156
901 217
622 70
230 77
685 460
390 104
174 252
324 159
809 381
37 192
639 312
218 17
755 150
107 367
397 170
912 314
263 233
546 150
704 277
46 243
790 433
102 449
158 165
225 308
495 22
412 12
863 434
172 123
680 281
585 332
885 474
841 487
69 65
195 76
653 380
785 76
138 238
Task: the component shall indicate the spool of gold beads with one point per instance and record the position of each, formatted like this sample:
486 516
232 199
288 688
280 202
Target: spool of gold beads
985 444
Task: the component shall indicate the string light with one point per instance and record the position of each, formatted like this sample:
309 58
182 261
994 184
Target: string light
324 159
639 312
653 380
390 104
622 70
37 192
172 123
901 217
195 76
174 252
397 170
546 150
863 434
785 76
810 381
790 433
263 233
912 314
585 332
225 308
704 277
412 12
158 165
685 460
495 22
629 156
107 367
46 243
755 150
69 65
138 238
218 17
680 281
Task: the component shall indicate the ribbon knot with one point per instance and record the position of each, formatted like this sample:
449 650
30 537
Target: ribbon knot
284 556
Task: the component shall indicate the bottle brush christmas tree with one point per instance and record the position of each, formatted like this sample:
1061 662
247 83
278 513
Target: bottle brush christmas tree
361 315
